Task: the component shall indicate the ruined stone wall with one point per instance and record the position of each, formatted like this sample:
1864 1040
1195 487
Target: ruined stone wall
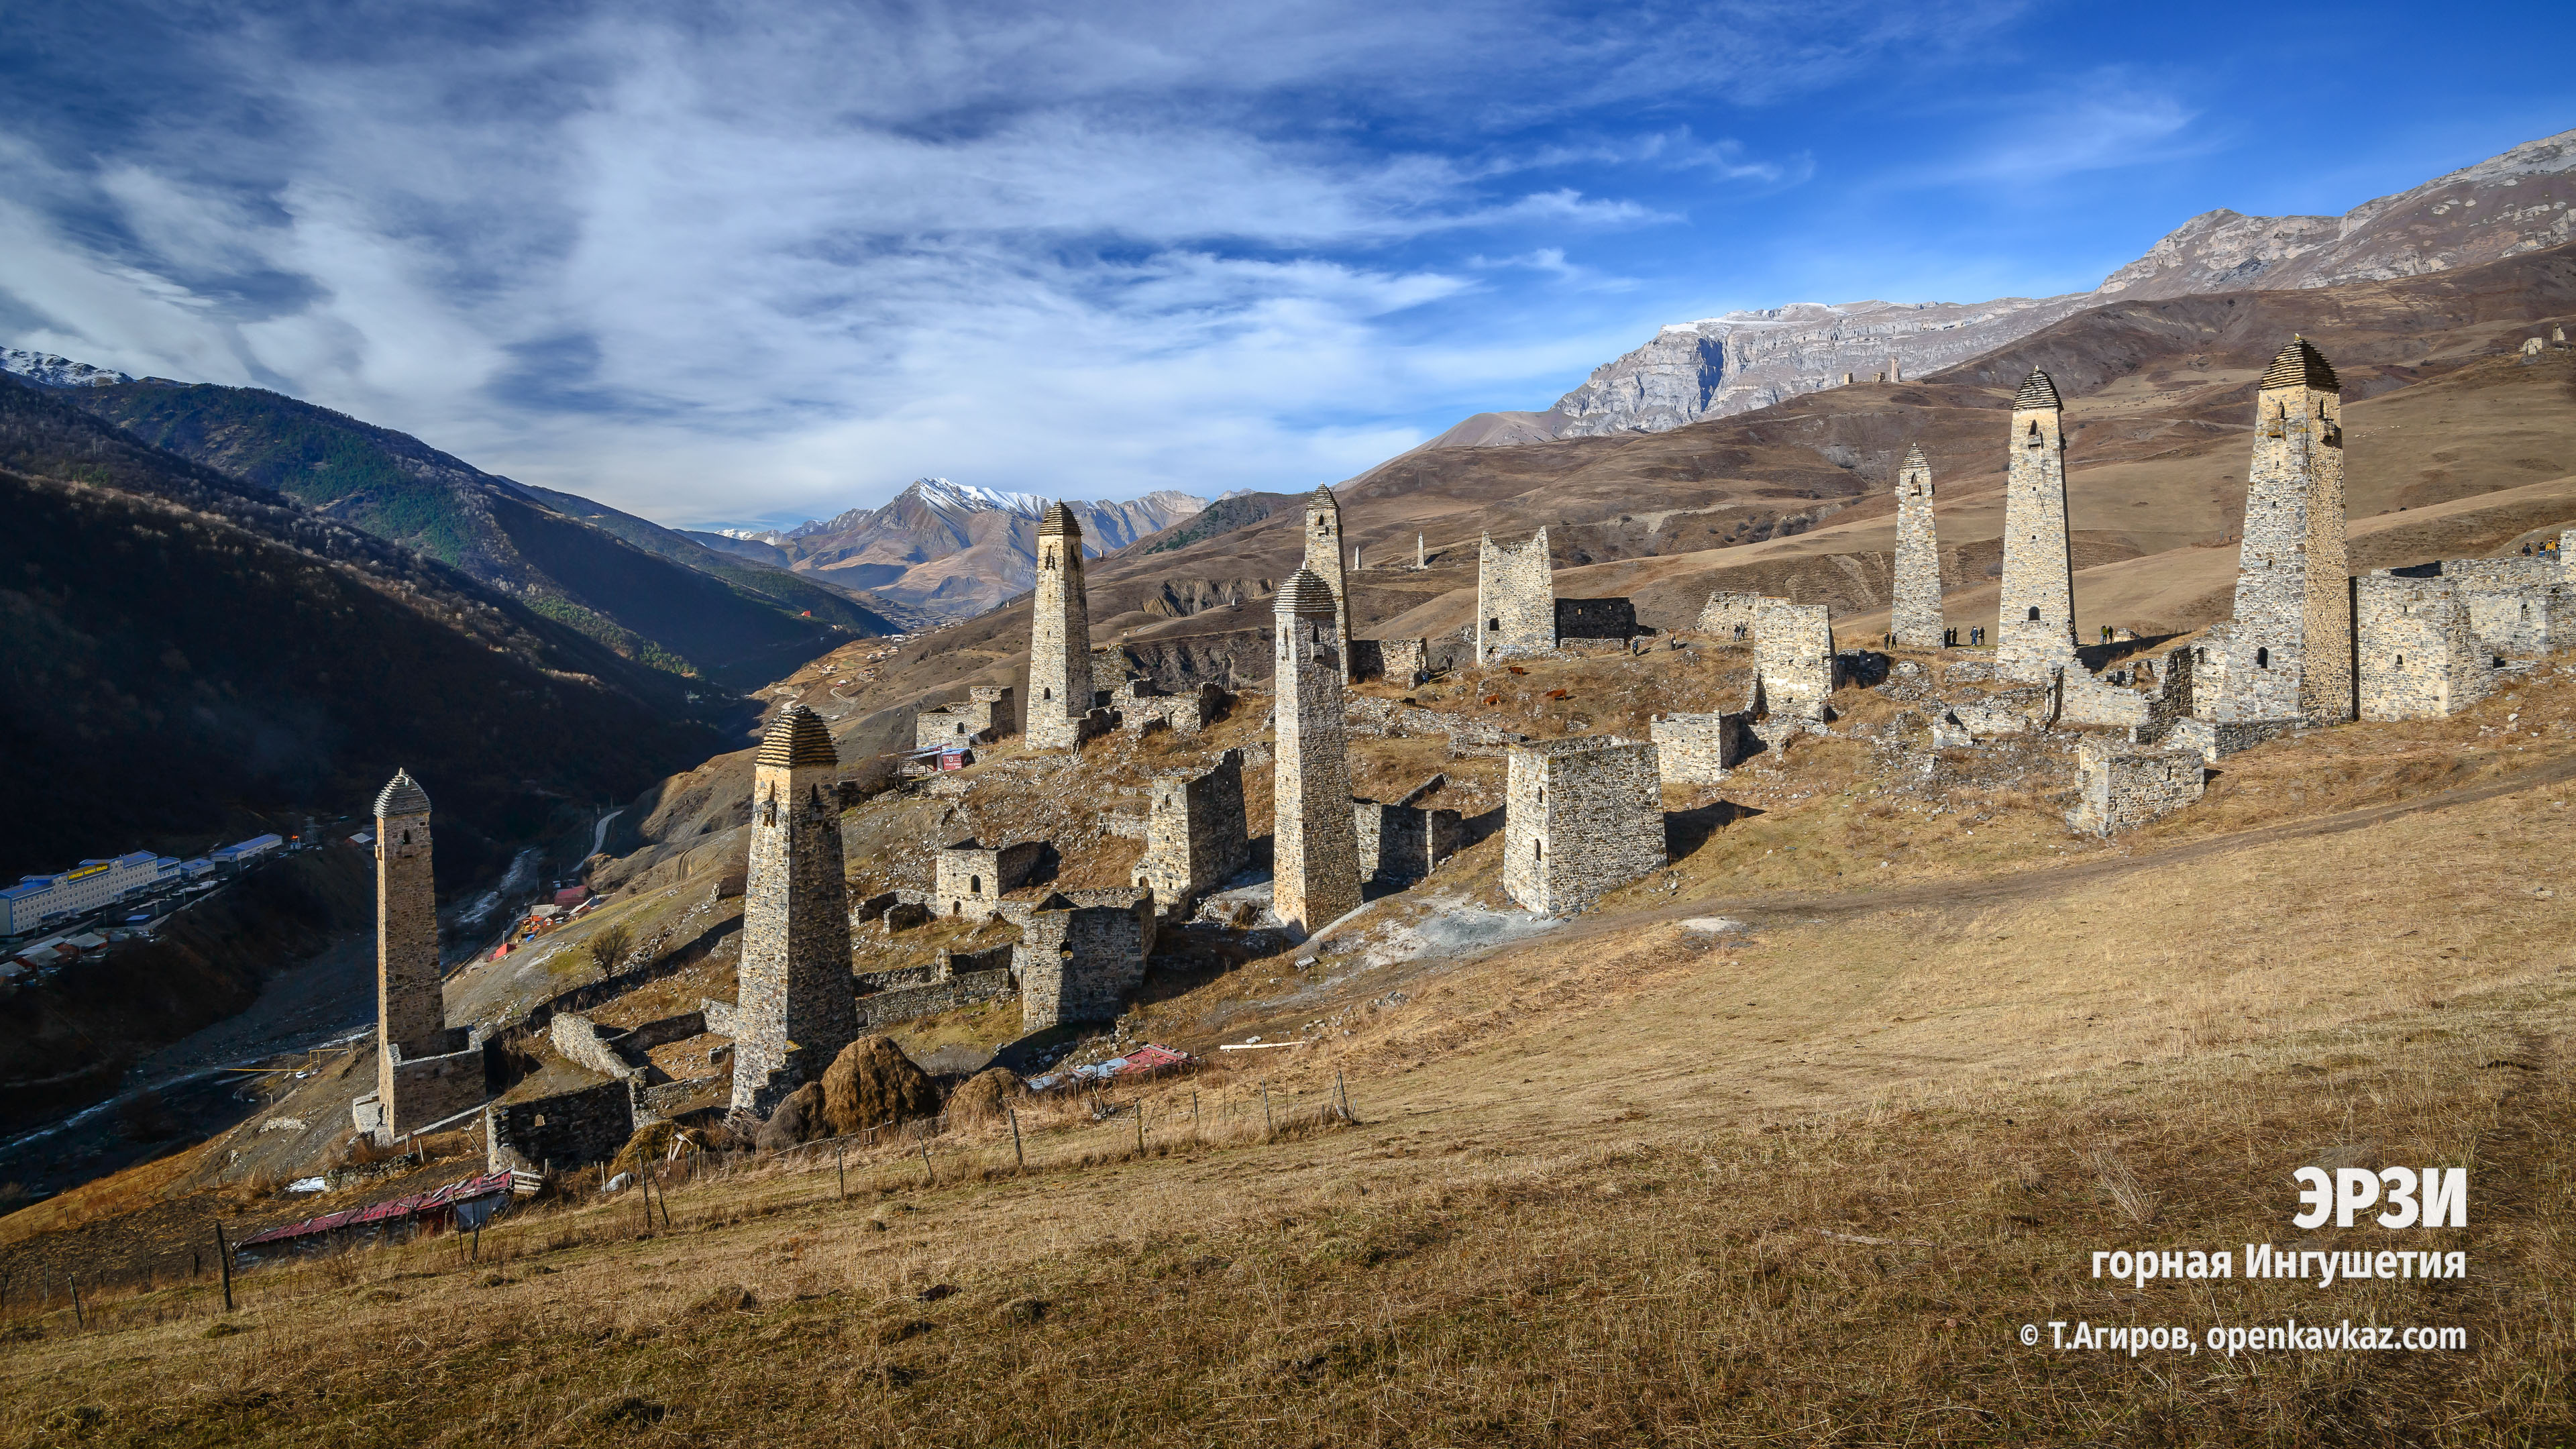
1315 875
1793 654
560 1132
1581 817
794 999
2035 627
1081 962
909 1003
1405 661
1915 599
1515 599
1595 619
1399 844
1060 689
969 879
1195 837
2291 657
2209 670
2122 786
577 1038
2519 619
2419 658
1729 615
1698 749
1324 561
429 1089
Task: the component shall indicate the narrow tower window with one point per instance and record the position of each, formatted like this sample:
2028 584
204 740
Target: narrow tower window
2034 613
2262 658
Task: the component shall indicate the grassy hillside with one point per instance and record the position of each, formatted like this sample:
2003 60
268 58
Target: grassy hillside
647 593
180 646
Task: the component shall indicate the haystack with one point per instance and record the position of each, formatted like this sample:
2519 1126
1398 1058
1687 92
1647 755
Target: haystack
797 1120
985 1095
650 1144
873 1083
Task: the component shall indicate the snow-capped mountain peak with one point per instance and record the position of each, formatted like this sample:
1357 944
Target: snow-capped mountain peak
56 371
972 498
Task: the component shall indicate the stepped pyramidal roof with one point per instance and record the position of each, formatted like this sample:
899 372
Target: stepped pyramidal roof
1058 522
1914 457
2301 365
2037 391
1306 595
402 795
796 738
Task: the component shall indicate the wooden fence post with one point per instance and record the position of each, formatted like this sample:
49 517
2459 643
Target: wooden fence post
78 1316
929 1178
1140 1126
1269 1123
224 1257
1016 1149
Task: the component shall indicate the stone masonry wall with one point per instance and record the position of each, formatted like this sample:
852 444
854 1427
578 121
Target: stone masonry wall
1915 600
2291 657
567 1130
2519 619
794 977
1399 844
1515 599
1405 661
1581 817
1595 619
427 1090
2122 786
1729 615
969 879
1698 749
1059 637
1324 561
1195 837
2035 628
908 1003
2418 656
1793 654
1080 963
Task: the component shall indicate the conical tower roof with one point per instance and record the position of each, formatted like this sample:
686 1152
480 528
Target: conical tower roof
2037 391
402 795
1914 457
1058 522
1323 495
1306 595
2301 365
797 738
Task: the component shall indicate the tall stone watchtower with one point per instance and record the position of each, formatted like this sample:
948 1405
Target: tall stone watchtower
797 1005
426 1071
1059 637
1324 560
2291 656
2035 632
1515 598
1915 614
1315 859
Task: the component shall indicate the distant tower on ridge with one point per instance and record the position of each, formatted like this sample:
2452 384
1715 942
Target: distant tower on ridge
1059 637
797 1005
1915 612
2035 632
2290 655
1315 858
1324 561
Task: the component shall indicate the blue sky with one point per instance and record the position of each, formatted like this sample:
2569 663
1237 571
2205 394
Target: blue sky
736 262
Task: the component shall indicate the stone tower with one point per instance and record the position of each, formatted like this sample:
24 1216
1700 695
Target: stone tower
410 1012
1515 598
1324 561
1915 613
1315 871
2035 632
2291 656
426 1071
797 1006
1059 637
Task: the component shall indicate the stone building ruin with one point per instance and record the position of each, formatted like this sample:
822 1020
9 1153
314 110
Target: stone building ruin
1195 838
1315 872
1060 691
987 715
969 878
2121 785
426 1070
1915 597
793 1010
1401 843
1324 561
1581 817
1699 749
1515 599
2035 630
1793 659
1082 953
1729 615
2418 657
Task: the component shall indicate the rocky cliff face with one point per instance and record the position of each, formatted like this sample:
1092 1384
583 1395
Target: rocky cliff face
2513 203
957 550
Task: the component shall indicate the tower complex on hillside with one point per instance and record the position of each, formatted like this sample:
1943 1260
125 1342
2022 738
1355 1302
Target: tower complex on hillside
2035 633
797 1004
2290 655
1324 561
1915 613
426 1070
1315 869
1060 691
